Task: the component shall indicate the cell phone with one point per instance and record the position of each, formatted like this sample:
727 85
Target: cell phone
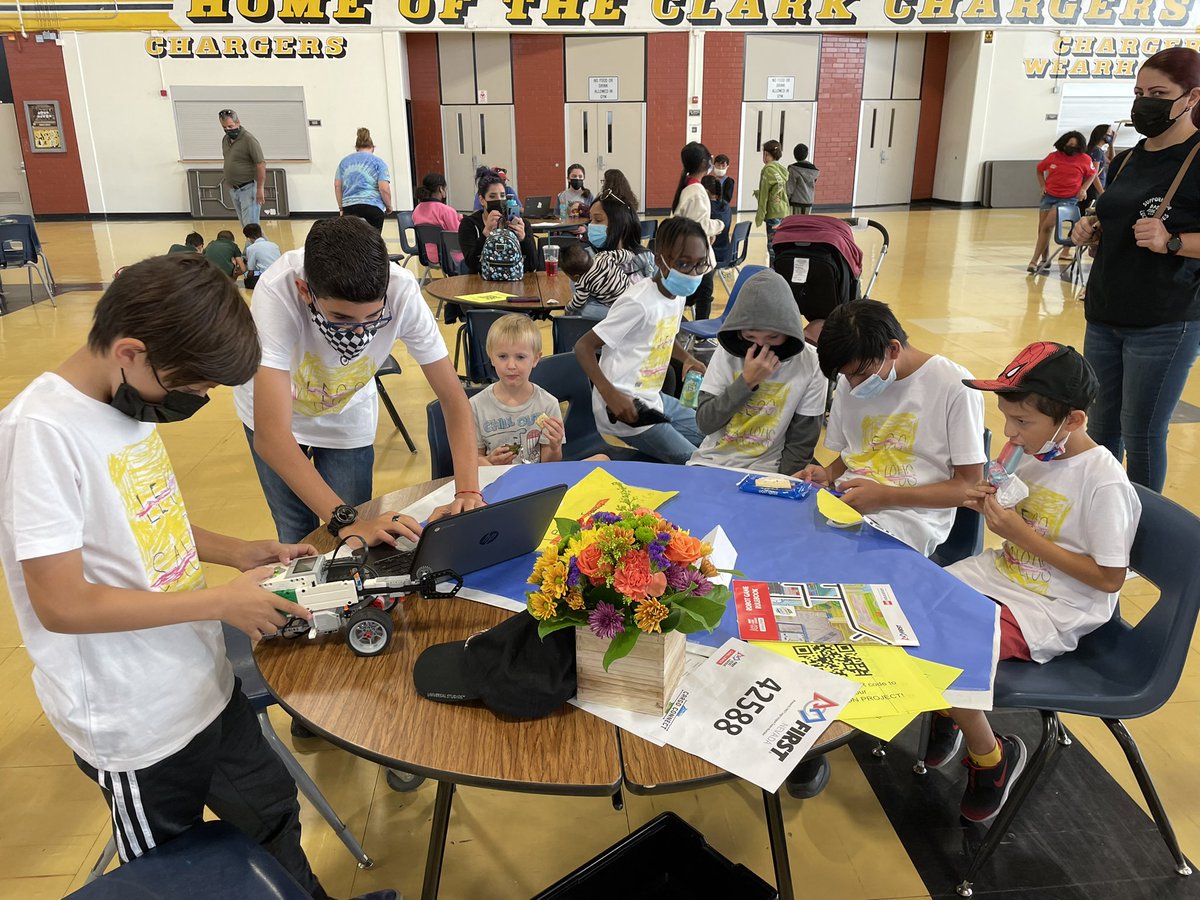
497 205
645 415
524 299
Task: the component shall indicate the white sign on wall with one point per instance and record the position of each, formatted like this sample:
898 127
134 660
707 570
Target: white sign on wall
781 87
603 87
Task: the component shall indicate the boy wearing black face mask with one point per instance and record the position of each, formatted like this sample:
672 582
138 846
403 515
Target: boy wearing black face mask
328 316
103 566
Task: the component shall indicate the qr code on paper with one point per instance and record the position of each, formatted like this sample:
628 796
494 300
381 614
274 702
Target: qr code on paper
839 659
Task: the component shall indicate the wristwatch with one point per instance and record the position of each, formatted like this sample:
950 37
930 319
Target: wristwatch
1174 245
341 516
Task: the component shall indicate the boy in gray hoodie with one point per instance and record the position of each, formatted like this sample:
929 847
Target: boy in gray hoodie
802 182
763 396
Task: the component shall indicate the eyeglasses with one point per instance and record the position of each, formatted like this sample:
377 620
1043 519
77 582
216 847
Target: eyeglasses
609 195
700 268
227 114
367 326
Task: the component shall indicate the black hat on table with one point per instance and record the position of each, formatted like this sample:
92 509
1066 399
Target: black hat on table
508 667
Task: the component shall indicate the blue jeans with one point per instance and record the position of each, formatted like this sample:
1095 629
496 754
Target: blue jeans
674 443
595 311
771 224
347 472
1142 372
245 203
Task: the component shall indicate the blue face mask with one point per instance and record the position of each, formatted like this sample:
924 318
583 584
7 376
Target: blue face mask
874 384
597 235
679 284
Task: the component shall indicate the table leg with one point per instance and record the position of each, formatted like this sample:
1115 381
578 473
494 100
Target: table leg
437 840
779 851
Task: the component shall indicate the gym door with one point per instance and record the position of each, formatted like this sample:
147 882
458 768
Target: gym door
14 189
474 136
789 123
887 152
604 136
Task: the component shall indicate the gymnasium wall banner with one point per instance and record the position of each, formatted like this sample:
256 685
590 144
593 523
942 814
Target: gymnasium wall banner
601 16
1101 57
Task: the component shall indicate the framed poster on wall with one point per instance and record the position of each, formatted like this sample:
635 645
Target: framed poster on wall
44 121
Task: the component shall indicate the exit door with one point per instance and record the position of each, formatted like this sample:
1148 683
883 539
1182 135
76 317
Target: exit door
790 123
14 189
887 152
604 136
474 136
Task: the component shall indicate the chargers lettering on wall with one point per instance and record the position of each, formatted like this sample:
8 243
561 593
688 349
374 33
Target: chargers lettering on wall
236 47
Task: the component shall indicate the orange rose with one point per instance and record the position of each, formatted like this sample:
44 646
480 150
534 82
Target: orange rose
684 548
633 575
656 585
588 560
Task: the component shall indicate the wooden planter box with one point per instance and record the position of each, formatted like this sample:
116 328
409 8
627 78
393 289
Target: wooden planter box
641 682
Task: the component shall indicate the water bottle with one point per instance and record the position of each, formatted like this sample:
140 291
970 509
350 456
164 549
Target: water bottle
513 209
562 209
690 396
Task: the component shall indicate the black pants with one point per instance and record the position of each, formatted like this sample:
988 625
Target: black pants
251 280
229 767
801 209
701 301
373 214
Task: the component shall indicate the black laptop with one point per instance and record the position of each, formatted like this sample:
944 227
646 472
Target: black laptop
475 539
539 208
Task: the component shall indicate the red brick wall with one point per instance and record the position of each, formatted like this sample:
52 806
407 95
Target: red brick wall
425 84
666 115
55 179
839 97
538 93
724 61
929 126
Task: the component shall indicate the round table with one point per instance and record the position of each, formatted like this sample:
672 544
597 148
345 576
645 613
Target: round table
370 707
551 225
552 293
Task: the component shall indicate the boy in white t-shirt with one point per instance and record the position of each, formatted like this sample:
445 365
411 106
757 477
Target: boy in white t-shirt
763 397
908 433
637 343
328 316
515 420
1059 572
103 566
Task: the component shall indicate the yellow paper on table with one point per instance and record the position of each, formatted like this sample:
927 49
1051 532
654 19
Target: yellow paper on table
892 683
837 510
488 297
887 727
597 491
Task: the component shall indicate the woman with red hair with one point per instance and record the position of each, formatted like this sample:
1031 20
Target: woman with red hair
1143 294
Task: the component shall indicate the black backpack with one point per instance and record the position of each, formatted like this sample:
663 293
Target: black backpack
819 276
501 258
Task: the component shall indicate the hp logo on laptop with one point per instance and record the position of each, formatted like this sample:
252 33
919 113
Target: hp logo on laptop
489 537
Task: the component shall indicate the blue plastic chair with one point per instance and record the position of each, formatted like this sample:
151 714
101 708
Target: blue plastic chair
452 259
426 235
241 657
649 228
966 534
1067 214
404 218
705 329
1119 671
739 249
476 324
567 330
562 376
441 463
19 250
392 367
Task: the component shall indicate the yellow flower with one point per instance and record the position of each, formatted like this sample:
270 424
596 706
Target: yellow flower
541 564
554 580
541 606
707 569
575 599
649 615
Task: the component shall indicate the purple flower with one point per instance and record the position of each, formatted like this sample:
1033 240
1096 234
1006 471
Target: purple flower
702 586
572 573
679 578
606 621
657 555
605 518
664 537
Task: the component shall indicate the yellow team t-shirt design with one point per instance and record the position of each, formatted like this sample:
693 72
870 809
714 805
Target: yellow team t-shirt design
320 390
887 455
652 372
144 479
1044 511
753 428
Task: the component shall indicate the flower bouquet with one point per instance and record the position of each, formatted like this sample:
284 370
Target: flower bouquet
626 580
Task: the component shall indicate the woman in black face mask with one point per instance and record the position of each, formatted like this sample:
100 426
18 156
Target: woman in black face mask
1143 295
1065 176
576 199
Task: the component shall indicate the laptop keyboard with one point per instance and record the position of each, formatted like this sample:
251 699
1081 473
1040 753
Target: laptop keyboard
398 563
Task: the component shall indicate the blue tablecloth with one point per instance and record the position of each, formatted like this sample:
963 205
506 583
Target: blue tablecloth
786 540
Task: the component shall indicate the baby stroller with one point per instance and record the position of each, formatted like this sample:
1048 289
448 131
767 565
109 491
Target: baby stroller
818 257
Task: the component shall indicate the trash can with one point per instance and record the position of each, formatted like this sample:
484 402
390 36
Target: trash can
665 859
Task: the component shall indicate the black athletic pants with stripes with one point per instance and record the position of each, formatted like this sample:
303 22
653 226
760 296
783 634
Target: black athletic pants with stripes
228 767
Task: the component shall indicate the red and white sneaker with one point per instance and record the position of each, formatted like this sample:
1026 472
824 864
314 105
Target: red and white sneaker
987 789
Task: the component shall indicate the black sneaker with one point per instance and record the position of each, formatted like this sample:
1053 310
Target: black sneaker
945 741
987 789
808 779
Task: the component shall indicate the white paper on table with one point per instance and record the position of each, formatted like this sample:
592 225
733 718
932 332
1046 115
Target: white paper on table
644 726
773 711
421 509
724 556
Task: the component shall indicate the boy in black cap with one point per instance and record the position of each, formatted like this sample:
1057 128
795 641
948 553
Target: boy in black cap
1059 572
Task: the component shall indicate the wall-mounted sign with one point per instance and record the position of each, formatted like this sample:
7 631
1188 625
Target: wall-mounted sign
603 87
1096 56
781 87
45 126
235 46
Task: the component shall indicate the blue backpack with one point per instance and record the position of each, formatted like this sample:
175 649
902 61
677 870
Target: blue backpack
501 258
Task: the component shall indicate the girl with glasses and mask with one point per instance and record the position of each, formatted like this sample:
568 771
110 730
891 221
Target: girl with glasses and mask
691 202
637 343
1143 294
